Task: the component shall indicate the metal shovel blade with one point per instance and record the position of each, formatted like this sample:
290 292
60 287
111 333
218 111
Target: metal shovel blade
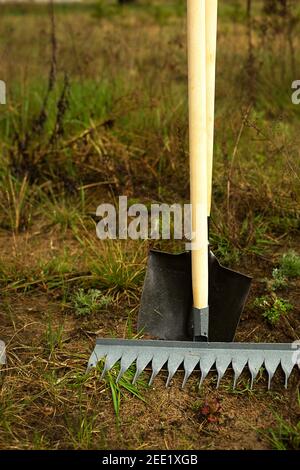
165 311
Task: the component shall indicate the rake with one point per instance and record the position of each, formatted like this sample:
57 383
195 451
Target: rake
190 302
176 355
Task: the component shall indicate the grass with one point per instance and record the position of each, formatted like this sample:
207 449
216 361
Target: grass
53 338
61 213
117 270
290 265
286 434
124 385
16 203
102 114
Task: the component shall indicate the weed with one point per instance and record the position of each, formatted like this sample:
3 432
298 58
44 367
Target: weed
58 265
290 265
285 436
279 280
53 338
39 441
62 212
225 251
120 268
208 411
81 429
16 202
124 385
9 412
88 302
272 308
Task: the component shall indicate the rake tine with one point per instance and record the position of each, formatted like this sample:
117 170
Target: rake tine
271 364
142 361
126 361
158 362
254 363
97 355
221 365
238 365
287 364
173 363
206 363
189 365
111 360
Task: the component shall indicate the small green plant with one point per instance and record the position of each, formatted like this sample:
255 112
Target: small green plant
118 269
15 202
223 249
81 430
285 436
279 280
290 264
272 307
58 265
61 212
53 338
91 301
124 385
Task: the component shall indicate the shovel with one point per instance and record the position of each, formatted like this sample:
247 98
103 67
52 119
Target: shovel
179 288
175 298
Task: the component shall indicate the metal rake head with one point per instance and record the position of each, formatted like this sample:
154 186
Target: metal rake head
173 355
2 353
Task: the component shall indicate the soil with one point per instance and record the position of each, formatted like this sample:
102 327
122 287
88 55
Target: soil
169 418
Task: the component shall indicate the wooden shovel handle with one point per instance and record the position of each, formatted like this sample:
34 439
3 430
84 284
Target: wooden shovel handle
198 148
211 25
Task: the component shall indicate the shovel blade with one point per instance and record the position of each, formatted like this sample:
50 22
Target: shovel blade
165 311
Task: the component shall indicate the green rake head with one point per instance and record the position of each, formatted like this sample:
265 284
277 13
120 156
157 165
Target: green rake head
174 355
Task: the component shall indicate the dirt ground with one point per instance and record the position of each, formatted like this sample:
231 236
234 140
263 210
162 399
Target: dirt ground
47 402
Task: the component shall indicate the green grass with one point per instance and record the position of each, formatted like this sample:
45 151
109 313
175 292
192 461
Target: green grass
161 13
62 212
286 434
81 429
117 270
290 265
53 338
16 202
23 9
58 265
119 390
